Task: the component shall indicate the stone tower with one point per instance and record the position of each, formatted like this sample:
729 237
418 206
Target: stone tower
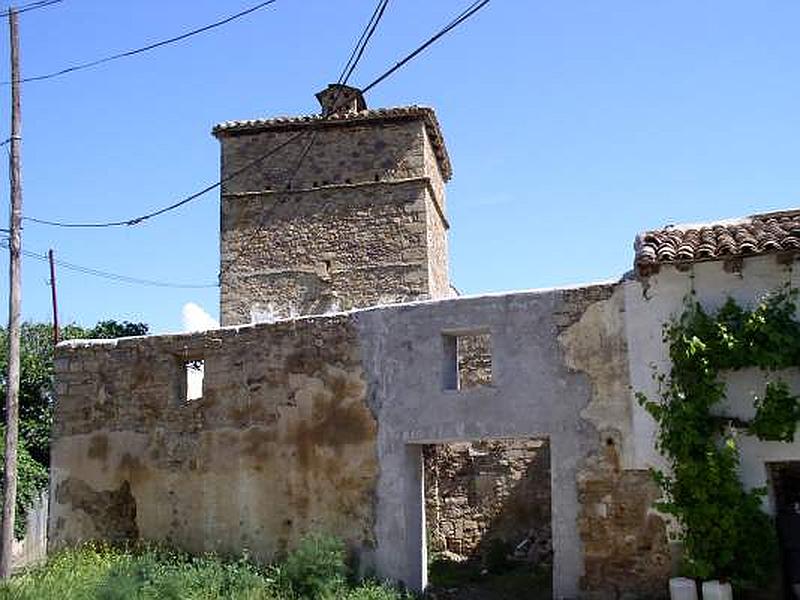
346 210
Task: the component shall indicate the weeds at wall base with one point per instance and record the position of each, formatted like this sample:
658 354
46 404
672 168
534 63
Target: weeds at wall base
315 571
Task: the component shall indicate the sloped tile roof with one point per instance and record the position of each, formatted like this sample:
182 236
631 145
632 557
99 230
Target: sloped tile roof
378 114
769 233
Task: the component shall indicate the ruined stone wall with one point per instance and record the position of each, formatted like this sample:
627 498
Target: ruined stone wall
625 547
478 492
318 424
356 223
280 444
559 371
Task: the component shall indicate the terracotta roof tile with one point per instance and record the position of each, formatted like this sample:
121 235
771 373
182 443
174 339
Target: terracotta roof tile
378 114
769 233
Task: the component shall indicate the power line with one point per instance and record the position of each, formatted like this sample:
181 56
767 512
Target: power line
351 64
174 205
363 41
111 276
153 46
466 14
31 6
458 20
347 71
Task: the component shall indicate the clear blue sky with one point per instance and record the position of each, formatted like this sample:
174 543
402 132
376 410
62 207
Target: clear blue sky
571 126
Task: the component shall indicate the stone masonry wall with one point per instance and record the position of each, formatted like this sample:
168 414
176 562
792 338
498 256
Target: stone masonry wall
330 249
625 549
280 444
353 226
474 354
477 492
626 553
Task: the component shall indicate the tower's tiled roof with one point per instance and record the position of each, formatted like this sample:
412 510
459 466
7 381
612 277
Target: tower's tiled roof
372 115
769 233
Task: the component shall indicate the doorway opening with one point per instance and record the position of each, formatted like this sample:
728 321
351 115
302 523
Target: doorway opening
785 480
488 519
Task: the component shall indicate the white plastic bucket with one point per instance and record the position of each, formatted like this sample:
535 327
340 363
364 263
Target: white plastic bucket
714 590
681 588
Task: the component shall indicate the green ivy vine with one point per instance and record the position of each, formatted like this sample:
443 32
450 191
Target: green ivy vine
724 531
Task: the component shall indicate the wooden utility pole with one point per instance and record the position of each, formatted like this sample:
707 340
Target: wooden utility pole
56 335
14 309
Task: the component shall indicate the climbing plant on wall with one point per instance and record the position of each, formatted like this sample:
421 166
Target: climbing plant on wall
725 533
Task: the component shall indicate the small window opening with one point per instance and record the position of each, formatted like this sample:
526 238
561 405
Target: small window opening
193 372
468 361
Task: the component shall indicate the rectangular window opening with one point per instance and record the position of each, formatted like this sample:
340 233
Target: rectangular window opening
193 371
468 360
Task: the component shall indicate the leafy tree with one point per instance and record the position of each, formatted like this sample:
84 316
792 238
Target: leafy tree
117 329
31 479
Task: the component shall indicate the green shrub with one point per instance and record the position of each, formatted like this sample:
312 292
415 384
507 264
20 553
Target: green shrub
104 573
31 481
316 569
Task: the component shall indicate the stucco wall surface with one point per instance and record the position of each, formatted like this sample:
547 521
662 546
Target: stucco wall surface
537 390
658 299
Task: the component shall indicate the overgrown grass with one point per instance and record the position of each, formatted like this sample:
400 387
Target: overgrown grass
315 571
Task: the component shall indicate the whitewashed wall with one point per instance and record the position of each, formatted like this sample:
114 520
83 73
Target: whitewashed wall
656 300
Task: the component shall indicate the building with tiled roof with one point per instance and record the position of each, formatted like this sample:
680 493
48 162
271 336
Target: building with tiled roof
347 357
769 233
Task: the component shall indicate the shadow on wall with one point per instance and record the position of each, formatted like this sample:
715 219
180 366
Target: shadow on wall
488 511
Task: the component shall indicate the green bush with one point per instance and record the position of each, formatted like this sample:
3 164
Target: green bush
104 573
31 481
316 570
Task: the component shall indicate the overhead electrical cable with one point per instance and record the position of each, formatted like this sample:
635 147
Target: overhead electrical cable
351 64
466 14
363 41
112 276
30 6
358 44
174 205
347 71
458 20
147 48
